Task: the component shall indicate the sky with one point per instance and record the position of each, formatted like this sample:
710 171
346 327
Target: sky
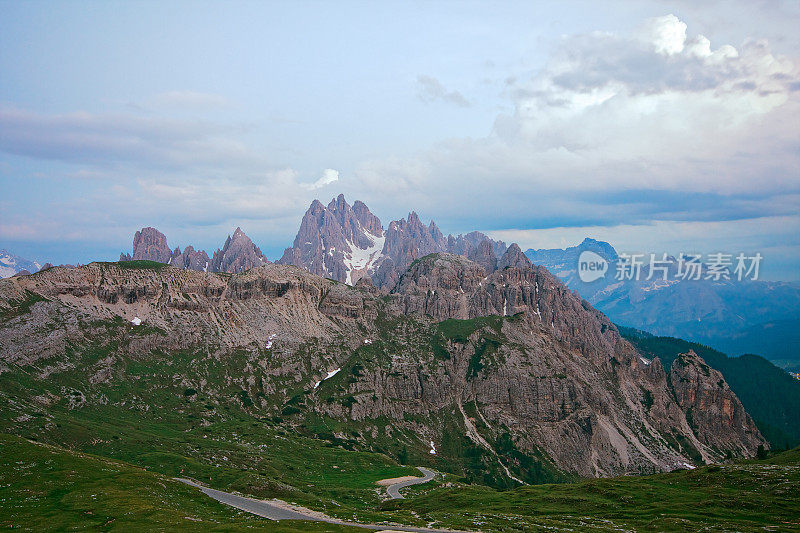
657 126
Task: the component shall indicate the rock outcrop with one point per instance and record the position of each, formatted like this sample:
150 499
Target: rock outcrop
149 244
712 409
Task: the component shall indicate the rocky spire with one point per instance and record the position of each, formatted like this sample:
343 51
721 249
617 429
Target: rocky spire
149 244
514 258
238 254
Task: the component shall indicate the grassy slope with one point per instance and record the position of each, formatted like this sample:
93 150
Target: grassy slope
769 394
216 441
46 488
746 496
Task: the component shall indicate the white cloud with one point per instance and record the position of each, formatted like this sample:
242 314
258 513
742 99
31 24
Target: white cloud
613 113
666 34
328 176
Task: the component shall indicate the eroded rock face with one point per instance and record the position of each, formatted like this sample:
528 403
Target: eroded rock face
712 409
527 357
190 259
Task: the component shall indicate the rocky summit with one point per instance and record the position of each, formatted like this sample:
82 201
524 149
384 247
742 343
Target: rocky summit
347 243
501 371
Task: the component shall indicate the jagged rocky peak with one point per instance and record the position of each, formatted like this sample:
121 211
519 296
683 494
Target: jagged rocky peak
514 258
238 254
149 244
337 241
191 259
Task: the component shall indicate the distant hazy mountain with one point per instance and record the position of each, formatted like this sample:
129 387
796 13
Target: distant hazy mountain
734 316
11 264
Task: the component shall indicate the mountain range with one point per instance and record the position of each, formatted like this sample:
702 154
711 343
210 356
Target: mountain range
349 243
508 376
11 264
337 241
236 255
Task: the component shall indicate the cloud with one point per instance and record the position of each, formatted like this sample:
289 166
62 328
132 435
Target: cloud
189 100
659 124
328 176
116 138
666 34
431 90
656 110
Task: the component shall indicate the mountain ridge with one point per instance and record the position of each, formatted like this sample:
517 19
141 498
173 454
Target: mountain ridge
455 356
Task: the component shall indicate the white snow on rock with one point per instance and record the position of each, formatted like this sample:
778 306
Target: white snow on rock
362 258
136 321
270 339
433 449
645 361
367 341
329 375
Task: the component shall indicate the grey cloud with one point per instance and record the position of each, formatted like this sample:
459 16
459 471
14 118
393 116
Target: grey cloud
122 138
430 90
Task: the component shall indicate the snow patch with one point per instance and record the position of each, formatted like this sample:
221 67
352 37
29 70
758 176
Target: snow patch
270 339
362 258
329 375
433 449
136 321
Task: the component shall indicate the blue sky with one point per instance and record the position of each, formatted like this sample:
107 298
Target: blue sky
659 126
